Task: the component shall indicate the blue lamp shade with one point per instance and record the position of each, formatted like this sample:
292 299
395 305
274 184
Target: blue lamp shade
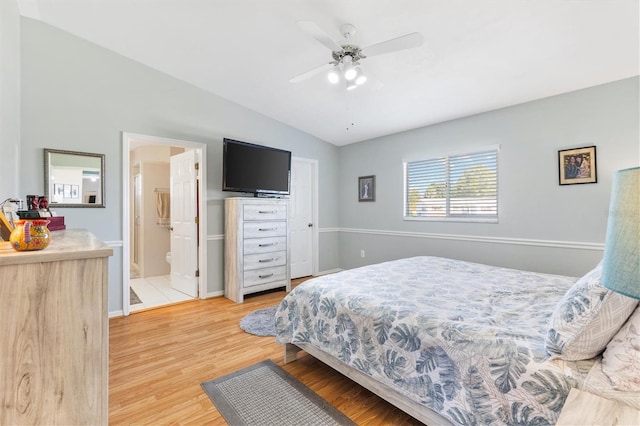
621 266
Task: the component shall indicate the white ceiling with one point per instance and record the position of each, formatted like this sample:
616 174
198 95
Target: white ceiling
477 55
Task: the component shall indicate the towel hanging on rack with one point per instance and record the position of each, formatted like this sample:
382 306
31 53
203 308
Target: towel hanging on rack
163 210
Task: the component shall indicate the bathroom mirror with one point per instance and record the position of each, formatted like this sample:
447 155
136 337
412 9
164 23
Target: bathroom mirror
73 179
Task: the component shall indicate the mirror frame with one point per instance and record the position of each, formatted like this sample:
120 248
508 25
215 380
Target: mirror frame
48 151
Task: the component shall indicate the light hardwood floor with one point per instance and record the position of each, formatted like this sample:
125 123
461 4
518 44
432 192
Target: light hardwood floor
158 358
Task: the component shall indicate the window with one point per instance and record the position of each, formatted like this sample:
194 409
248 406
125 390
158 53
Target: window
457 187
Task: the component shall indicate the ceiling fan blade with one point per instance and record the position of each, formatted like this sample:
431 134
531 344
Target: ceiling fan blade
319 34
312 72
399 43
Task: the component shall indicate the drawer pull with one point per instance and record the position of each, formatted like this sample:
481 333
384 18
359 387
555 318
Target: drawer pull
265 276
267 211
266 229
266 260
266 244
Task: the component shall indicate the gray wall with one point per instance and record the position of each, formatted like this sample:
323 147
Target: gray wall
9 97
80 97
542 226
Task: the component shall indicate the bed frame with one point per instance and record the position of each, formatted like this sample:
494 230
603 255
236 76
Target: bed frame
420 412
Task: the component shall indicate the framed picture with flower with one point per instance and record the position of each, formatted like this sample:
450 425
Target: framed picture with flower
367 188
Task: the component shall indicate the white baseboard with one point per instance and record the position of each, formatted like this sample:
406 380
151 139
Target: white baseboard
328 271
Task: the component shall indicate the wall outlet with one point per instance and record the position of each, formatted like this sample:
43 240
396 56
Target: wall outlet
361 253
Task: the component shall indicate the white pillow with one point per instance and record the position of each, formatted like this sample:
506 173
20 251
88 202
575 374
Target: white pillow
586 318
621 359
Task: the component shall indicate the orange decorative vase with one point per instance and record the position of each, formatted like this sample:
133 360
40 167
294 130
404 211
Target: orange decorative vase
30 235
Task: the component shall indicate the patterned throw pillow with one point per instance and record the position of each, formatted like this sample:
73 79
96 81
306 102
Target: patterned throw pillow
621 359
586 318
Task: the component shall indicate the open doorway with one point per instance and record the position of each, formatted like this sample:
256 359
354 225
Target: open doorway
164 221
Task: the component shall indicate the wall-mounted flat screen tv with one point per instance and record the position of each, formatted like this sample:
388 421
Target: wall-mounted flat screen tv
256 169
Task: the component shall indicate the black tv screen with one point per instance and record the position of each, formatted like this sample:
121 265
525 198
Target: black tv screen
257 169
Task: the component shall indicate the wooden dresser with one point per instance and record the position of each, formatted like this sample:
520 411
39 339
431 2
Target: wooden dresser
256 246
54 343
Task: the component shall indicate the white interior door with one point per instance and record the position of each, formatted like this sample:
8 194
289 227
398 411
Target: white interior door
301 218
184 228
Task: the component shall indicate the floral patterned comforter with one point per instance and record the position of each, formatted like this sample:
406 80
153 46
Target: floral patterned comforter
464 339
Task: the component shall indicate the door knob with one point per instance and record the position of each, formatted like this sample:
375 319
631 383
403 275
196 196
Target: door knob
310 225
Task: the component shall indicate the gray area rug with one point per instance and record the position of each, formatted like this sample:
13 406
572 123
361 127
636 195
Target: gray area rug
265 394
260 322
133 297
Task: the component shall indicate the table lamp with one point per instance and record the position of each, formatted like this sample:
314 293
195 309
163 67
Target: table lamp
621 266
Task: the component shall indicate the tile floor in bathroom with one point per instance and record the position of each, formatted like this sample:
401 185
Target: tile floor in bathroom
155 291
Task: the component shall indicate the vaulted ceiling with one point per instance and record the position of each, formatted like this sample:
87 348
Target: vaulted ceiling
477 55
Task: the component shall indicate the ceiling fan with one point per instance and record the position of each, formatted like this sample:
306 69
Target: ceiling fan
345 65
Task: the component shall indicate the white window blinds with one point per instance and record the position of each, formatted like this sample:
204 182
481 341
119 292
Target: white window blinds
458 186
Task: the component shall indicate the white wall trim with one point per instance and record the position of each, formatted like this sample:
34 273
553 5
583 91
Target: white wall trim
482 239
215 237
328 271
120 313
116 243
323 230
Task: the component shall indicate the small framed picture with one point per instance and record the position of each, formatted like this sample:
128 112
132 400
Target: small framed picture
75 191
33 202
67 190
58 190
577 165
367 188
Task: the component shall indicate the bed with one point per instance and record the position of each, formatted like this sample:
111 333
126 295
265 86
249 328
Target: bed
455 342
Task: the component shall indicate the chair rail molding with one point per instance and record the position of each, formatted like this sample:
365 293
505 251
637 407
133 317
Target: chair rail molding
481 239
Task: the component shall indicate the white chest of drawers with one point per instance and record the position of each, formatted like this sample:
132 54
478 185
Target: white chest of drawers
256 252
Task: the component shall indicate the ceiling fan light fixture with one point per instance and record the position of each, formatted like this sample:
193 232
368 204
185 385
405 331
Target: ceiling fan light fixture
361 79
347 56
333 76
350 72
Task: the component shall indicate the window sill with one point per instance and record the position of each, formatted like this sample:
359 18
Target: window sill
452 219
